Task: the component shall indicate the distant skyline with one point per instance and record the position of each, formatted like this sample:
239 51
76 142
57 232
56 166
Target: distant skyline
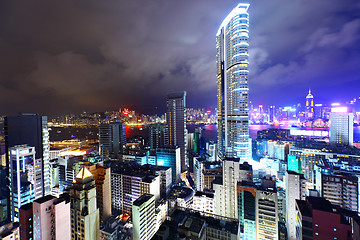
66 57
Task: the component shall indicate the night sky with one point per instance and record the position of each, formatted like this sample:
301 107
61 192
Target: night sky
68 56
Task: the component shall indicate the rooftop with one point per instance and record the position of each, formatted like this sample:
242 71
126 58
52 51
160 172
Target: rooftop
141 200
245 166
44 199
84 175
145 172
209 194
176 95
181 192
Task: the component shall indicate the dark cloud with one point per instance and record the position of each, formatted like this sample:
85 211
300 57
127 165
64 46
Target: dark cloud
66 56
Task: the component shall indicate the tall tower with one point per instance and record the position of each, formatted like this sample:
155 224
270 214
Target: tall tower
23 180
309 107
85 219
295 189
176 121
112 138
31 129
232 84
102 179
143 216
341 126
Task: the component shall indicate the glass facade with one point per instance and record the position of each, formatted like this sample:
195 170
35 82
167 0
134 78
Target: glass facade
232 84
246 207
176 122
170 157
22 177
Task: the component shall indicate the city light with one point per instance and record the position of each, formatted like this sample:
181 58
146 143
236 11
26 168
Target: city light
339 109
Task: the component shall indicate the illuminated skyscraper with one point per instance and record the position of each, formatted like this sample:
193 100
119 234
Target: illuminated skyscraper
232 84
341 126
31 129
22 175
309 108
176 121
85 219
112 139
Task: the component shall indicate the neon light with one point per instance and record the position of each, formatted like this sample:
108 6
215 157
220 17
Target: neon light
335 104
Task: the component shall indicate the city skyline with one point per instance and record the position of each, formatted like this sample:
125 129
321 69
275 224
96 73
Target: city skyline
76 57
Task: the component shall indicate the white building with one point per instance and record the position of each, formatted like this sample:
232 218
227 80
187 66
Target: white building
225 189
266 214
143 217
204 202
295 190
165 176
232 84
181 196
161 211
341 126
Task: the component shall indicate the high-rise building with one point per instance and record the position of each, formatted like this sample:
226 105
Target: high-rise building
309 106
85 219
128 184
295 189
246 209
103 188
319 111
341 126
165 180
26 222
257 207
46 218
143 216
22 175
226 188
266 214
112 138
158 135
51 218
31 129
272 114
339 187
232 84
317 218
169 156
176 122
